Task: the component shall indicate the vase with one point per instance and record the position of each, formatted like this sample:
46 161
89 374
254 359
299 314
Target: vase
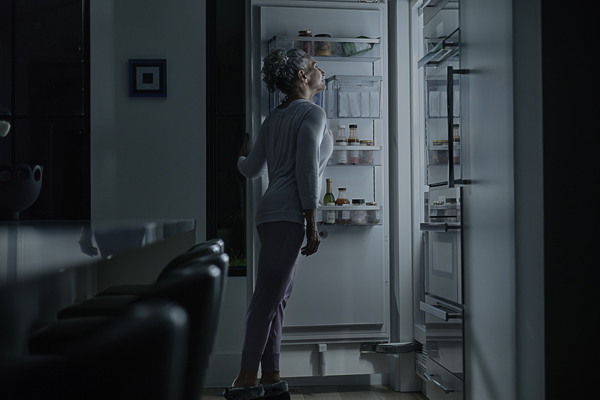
19 189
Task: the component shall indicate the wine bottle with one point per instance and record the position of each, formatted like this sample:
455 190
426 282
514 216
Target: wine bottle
329 200
329 193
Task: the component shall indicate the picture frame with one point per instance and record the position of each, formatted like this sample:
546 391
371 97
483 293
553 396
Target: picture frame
147 78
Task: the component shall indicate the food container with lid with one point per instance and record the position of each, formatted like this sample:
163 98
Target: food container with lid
373 215
323 48
358 217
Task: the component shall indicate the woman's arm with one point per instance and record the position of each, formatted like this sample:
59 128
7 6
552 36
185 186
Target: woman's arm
307 157
312 234
252 165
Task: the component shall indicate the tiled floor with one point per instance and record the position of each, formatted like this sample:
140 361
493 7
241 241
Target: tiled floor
335 393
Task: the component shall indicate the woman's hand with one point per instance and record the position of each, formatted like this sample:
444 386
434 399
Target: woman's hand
312 233
244 149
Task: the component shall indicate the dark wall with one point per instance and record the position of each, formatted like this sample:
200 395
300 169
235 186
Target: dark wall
44 94
570 193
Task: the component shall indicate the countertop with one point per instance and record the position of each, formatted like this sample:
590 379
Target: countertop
32 249
49 265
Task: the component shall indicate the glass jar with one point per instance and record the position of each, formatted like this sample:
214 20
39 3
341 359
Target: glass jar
306 46
342 217
455 133
358 217
353 155
341 156
323 48
456 144
373 215
366 156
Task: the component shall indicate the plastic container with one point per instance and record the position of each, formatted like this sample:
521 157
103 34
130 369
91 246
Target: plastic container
353 96
367 156
438 152
373 215
341 156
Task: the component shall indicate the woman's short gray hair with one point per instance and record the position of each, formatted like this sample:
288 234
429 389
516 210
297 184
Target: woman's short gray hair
280 69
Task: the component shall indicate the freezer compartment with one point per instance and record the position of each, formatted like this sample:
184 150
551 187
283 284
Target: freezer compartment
441 384
444 334
330 48
443 277
353 96
356 155
443 205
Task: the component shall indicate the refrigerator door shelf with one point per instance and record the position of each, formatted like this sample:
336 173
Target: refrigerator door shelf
445 50
355 156
340 49
359 215
430 8
353 96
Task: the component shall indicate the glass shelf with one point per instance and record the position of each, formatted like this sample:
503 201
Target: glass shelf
431 8
341 49
444 50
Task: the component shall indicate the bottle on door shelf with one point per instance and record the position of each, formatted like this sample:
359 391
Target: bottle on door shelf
329 193
306 46
341 140
329 200
342 217
456 142
353 155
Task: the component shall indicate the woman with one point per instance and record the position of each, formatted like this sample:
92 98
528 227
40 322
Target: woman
293 144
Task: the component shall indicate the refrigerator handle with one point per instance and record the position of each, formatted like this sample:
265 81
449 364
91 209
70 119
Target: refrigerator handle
450 114
438 227
444 388
438 312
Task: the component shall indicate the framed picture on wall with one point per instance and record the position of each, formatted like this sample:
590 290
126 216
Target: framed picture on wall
148 78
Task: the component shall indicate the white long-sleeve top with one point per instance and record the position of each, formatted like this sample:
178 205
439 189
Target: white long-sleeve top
294 145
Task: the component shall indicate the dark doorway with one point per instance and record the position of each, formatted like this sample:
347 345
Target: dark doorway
226 122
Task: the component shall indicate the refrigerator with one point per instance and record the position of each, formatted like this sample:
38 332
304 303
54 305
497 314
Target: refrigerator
439 78
339 311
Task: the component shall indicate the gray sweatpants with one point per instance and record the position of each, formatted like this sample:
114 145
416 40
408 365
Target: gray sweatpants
280 246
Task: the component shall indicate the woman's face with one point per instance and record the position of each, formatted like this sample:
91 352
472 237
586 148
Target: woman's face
315 76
